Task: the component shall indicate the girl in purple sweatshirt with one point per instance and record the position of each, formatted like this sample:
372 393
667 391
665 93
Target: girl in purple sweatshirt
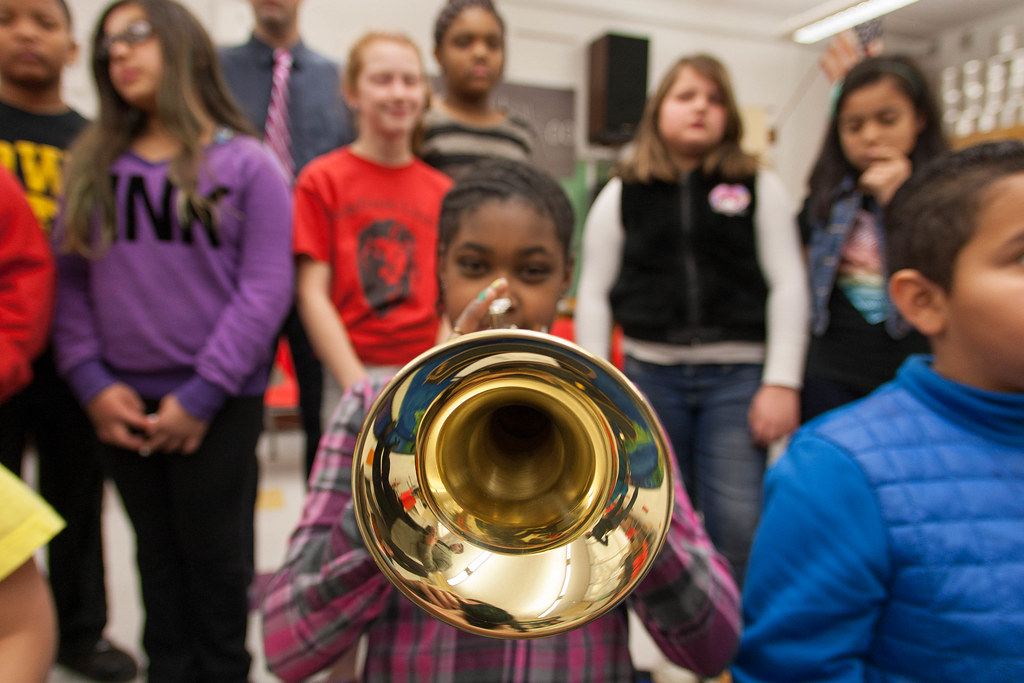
174 277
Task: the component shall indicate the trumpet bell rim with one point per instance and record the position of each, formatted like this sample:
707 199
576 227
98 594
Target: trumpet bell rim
514 583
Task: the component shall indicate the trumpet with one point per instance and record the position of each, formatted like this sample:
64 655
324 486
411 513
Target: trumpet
512 484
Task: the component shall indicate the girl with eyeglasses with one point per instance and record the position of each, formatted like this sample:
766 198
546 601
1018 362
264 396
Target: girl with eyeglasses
174 277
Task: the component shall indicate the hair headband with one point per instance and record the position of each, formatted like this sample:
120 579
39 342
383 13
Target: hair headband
903 71
882 67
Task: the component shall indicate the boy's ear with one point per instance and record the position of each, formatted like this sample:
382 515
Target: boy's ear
72 55
919 300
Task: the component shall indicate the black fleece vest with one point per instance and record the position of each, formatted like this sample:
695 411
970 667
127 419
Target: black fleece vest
689 271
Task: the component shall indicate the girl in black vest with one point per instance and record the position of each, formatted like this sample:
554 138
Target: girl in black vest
692 249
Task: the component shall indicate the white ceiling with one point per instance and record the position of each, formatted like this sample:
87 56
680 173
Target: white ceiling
918 21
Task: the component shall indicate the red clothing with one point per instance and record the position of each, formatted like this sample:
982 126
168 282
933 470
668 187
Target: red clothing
377 228
27 285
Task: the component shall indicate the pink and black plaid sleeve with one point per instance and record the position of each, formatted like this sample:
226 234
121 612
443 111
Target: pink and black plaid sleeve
329 592
689 601
329 589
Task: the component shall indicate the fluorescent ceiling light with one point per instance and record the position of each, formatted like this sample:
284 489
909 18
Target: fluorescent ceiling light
840 16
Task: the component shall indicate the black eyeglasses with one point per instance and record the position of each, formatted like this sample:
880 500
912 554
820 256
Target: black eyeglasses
136 32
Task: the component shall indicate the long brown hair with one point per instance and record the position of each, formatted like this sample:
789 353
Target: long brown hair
357 60
650 160
192 85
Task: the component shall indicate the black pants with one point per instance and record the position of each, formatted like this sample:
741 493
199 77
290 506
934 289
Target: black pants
192 516
821 395
71 480
309 377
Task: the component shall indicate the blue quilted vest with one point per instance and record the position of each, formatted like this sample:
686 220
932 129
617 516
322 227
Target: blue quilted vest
947 465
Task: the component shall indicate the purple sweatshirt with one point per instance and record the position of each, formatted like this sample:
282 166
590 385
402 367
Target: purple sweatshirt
191 309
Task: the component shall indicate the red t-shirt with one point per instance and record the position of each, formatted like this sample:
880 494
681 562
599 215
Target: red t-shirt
377 228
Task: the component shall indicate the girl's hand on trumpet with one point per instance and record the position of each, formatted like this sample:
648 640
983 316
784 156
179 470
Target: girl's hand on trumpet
477 315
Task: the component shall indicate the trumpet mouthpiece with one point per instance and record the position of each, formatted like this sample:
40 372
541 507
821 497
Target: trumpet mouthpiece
497 311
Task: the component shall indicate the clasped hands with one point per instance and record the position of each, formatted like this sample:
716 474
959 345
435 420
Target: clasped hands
119 416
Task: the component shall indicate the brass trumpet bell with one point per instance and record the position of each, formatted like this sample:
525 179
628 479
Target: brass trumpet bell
512 484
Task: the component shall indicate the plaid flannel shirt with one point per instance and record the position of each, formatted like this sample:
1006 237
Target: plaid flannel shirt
329 592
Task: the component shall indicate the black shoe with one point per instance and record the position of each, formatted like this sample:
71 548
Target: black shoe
104 662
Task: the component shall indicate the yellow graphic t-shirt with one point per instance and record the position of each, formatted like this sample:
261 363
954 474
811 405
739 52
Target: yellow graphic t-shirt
33 147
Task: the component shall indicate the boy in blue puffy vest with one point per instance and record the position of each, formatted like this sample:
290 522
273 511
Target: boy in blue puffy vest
892 541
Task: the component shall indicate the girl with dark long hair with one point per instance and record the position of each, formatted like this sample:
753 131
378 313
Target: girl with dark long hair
175 276
884 125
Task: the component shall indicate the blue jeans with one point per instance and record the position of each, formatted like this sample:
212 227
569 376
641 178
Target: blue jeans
704 411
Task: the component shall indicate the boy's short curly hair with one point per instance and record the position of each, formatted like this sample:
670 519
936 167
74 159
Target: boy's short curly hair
933 215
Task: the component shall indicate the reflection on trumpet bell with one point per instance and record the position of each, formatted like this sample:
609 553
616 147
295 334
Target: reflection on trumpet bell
522 464
512 484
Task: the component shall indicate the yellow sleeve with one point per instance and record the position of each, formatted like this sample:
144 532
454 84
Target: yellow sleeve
26 522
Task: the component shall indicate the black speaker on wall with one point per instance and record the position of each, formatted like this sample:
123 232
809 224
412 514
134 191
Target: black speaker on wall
618 87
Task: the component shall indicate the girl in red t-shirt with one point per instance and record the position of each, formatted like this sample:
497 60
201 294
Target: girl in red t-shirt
366 225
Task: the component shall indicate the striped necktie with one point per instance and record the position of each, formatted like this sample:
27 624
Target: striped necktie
277 134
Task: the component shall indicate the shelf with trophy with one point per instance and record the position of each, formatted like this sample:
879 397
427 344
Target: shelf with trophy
984 98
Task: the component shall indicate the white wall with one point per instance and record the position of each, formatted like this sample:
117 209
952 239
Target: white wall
547 47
